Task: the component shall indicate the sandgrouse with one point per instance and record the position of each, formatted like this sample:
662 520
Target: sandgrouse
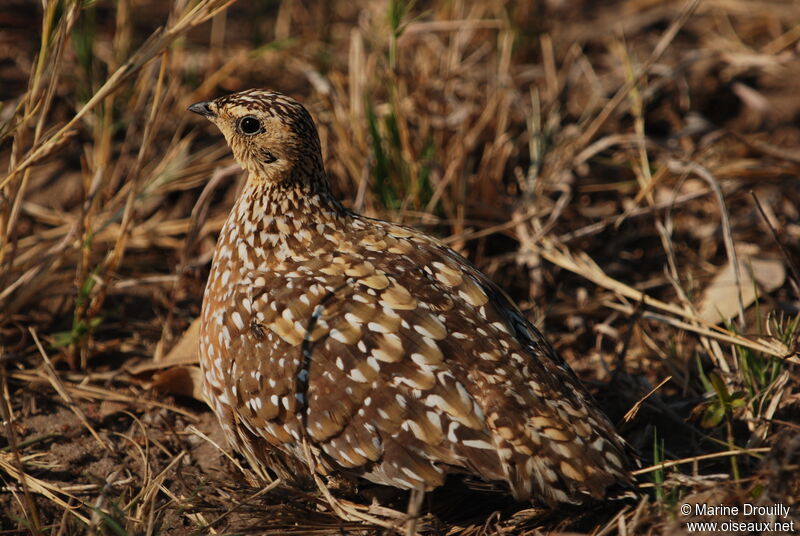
383 351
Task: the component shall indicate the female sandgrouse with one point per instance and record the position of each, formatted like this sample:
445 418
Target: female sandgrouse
385 352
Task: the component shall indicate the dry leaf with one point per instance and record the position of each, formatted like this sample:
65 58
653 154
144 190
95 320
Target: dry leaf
720 301
183 353
181 380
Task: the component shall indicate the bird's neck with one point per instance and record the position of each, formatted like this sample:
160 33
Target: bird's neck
301 201
279 220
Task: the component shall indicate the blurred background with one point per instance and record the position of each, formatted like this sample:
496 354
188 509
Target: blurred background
626 170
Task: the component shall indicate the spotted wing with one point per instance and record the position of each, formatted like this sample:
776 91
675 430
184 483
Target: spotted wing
546 431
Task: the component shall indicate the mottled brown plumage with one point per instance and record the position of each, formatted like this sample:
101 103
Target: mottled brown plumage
386 352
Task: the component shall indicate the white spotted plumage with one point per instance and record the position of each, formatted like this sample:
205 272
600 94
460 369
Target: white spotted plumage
387 353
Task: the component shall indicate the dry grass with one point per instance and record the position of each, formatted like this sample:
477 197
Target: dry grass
617 166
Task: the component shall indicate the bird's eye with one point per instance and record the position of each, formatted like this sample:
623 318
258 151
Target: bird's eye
249 125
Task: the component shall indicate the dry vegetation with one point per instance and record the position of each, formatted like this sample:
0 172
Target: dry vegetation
616 166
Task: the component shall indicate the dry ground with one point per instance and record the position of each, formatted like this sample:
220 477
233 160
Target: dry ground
616 166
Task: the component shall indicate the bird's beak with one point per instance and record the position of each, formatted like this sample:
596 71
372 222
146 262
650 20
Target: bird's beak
202 108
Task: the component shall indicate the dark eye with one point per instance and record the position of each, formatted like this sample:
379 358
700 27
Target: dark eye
249 125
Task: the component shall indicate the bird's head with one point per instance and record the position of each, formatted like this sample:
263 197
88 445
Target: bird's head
271 135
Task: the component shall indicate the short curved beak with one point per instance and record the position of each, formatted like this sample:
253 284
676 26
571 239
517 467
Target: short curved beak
202 108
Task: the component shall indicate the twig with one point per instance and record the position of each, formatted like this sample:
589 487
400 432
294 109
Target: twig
595 228
583 265
98 393
42 488
7 413
591 130
338 507
55 381
727 235
723 454
192 429
271 486
153 46
795 279
635 409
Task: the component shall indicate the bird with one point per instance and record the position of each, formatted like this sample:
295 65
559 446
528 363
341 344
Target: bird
373 347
